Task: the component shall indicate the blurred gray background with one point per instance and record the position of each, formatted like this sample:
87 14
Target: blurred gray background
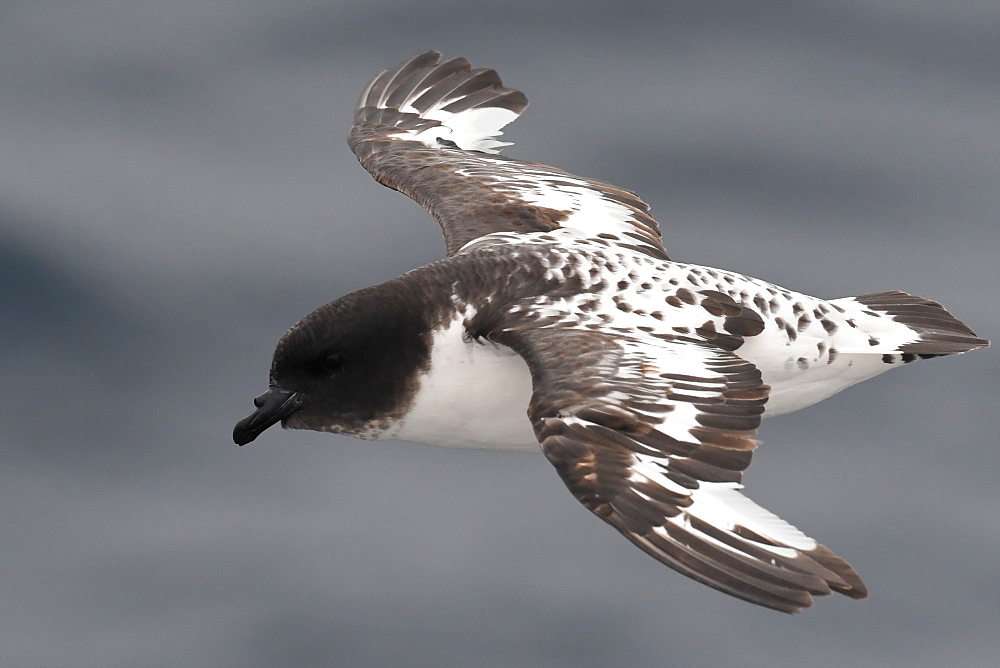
176 191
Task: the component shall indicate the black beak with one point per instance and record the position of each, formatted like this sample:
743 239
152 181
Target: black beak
274 405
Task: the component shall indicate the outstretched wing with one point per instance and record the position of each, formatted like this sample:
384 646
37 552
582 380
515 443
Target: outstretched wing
427 128
651 436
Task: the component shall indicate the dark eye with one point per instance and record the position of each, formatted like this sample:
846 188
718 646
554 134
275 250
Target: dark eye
331 362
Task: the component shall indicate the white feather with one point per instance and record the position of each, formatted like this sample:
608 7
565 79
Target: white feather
475 395
722 506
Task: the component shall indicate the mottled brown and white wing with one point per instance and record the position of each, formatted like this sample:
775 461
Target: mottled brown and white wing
427 128
651 436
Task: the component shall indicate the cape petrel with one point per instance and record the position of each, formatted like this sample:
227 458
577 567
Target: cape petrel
558 322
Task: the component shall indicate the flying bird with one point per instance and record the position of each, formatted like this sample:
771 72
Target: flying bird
558 322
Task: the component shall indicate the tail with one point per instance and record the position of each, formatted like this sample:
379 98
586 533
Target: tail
934 331
439 104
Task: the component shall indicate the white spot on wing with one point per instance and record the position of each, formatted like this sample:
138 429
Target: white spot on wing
722 506
471 130
590 213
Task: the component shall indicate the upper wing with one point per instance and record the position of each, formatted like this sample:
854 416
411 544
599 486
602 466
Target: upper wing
426 128
652 436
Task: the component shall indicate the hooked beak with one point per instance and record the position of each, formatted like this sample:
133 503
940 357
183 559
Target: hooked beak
274 405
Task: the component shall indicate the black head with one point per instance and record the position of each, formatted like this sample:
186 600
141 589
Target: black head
349 367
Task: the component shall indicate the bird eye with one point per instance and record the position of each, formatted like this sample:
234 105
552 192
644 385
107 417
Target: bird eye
331 362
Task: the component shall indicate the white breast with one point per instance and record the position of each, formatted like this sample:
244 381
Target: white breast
475 395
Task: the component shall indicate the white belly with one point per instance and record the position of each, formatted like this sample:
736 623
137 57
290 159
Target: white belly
475 396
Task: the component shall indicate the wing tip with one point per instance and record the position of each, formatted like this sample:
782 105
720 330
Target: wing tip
434 99
850 584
